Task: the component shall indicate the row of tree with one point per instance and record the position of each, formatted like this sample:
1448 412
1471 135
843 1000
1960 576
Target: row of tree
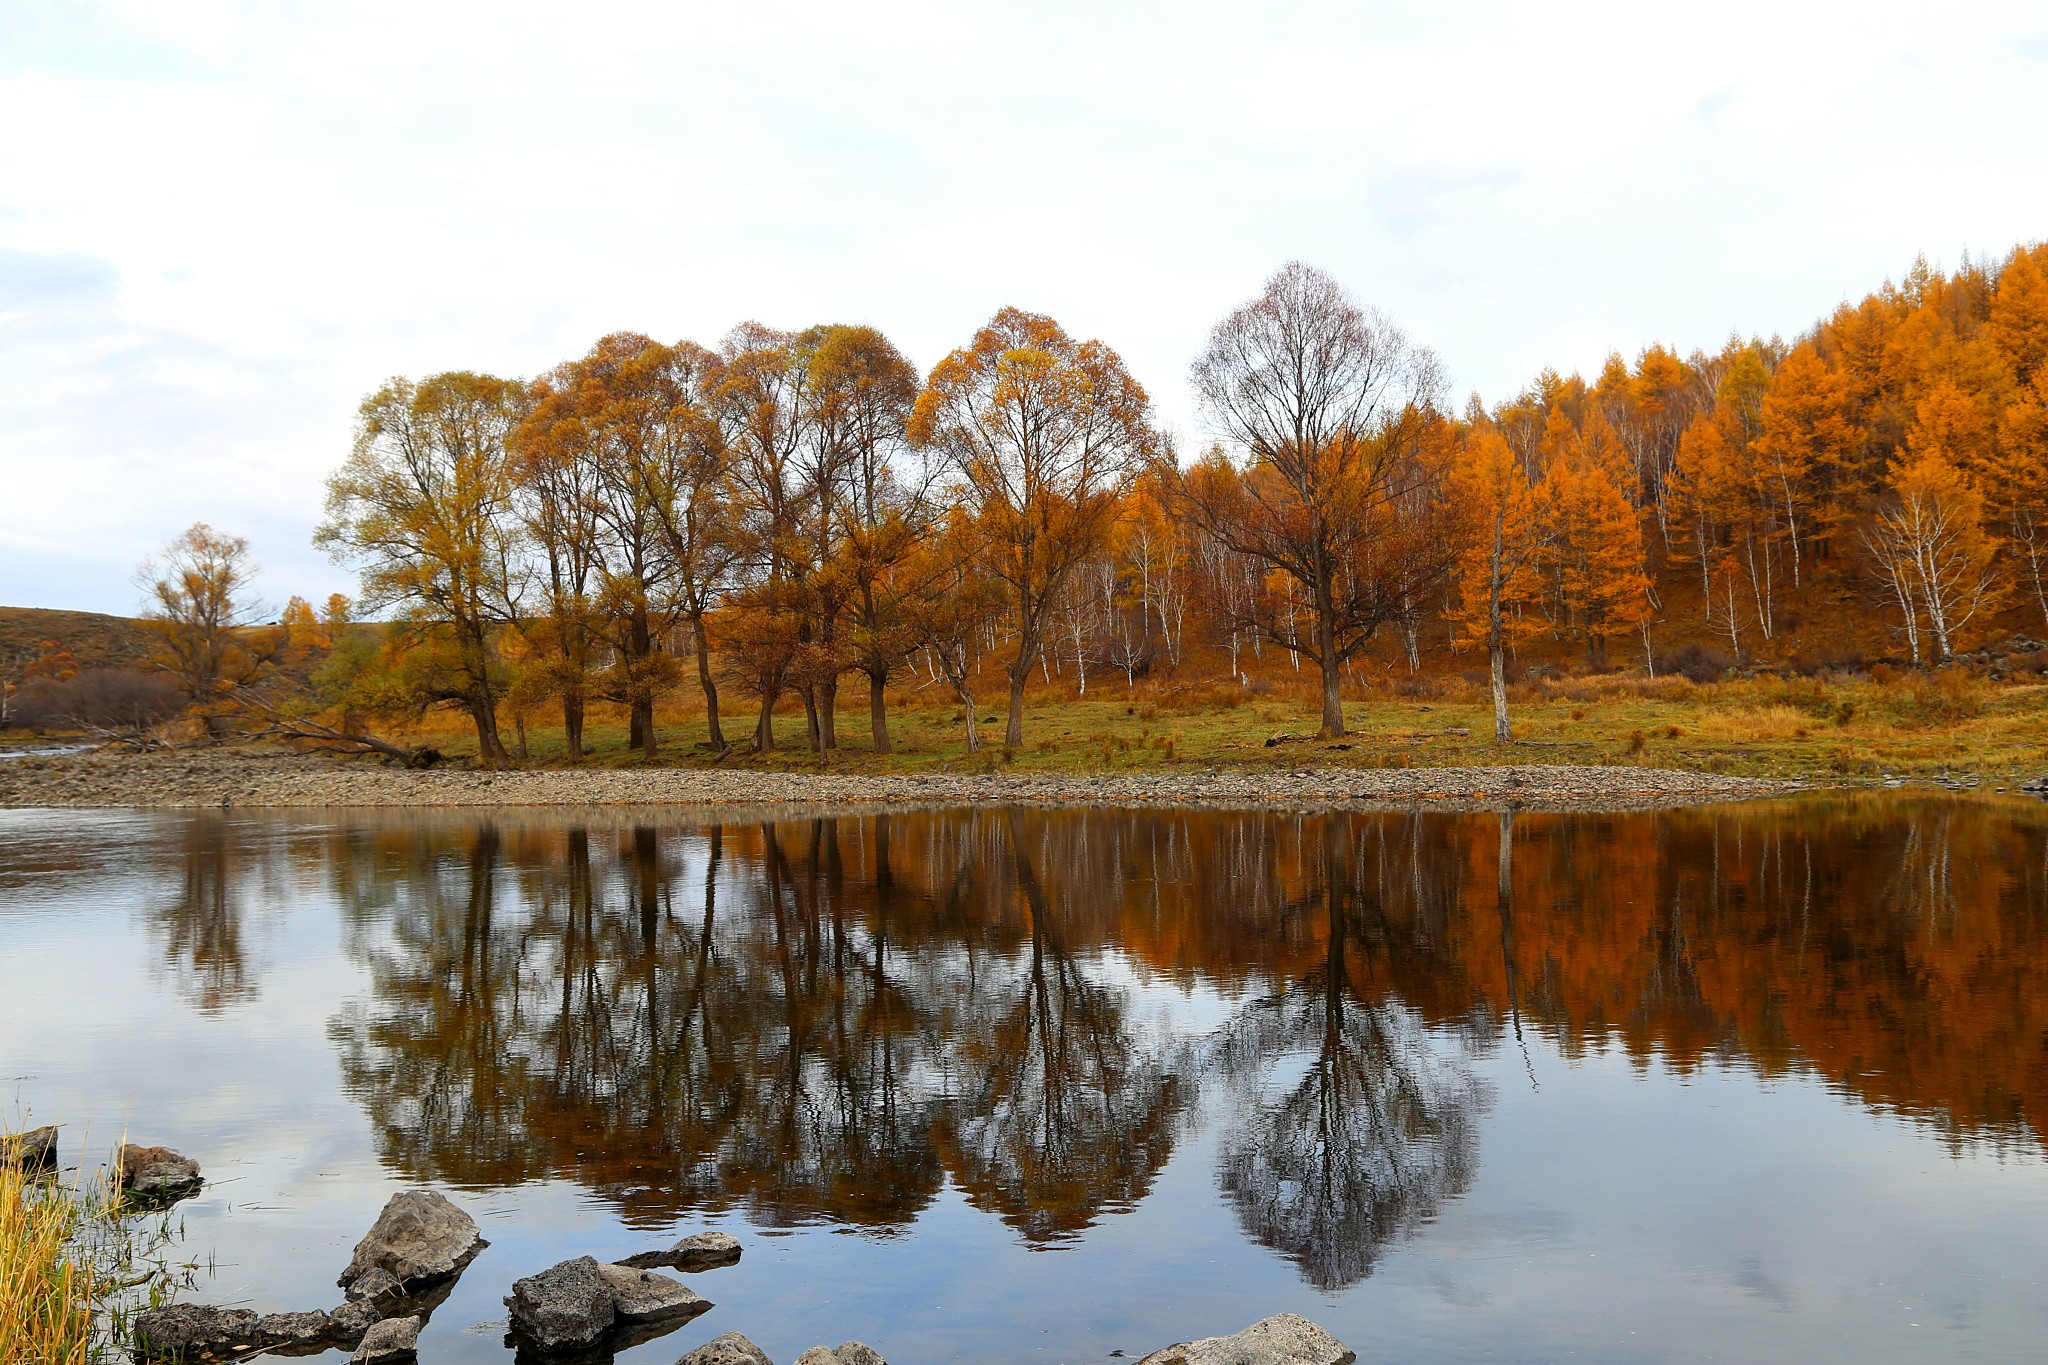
796 507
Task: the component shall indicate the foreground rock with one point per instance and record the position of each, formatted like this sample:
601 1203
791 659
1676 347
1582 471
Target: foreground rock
849 1353
196 1332
565 1306
394 1341
730 1349
34 1150
191 1331
701 1251
644 1296
295 1329
418 1239
155 1172
1283 1339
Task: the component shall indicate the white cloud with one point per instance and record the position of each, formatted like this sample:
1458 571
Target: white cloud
264 209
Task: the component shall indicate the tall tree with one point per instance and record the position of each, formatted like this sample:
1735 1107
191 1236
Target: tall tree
878 502
424 507
197 620
1497 552
1329 404
1046 433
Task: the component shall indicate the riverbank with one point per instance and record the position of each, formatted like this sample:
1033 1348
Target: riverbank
261 777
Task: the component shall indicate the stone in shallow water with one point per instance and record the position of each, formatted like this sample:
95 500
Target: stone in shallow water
419 1237
849 1353
372 1285
191 1330
701 1251
351 1320
390 1342
1283 1339
155 1172
730 1349
32 1151
565 1305
294 1329
644 1296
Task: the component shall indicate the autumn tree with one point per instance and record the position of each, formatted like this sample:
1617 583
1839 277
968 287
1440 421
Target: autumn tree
1592 553
1045 434
198 616
951 620
1495 572
1329 405
756 391
424 507
1929 543
872 504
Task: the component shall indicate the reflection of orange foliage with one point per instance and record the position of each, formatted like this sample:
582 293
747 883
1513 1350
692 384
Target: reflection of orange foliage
828 1018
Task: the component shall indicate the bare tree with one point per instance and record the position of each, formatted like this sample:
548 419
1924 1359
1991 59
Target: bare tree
1329 406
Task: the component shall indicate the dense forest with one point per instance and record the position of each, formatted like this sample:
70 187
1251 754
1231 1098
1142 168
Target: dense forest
795 510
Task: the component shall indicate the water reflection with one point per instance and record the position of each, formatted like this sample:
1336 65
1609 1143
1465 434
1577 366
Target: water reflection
829 1019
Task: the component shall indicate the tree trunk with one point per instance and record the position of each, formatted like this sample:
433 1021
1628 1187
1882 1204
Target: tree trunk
813 731
482 710
1499 662
878 711
710 686
764 728
643 725
828 712
572 725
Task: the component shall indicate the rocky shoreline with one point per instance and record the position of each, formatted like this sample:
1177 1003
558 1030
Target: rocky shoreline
257 777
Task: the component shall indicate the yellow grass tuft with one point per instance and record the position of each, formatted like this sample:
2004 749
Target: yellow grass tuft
47 1290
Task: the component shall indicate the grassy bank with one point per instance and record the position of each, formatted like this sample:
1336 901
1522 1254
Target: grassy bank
74 1265
1910 724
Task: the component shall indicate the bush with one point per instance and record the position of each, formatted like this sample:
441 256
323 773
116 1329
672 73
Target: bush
100 698
1696 662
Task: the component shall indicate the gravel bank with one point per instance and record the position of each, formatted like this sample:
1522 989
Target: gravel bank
256 778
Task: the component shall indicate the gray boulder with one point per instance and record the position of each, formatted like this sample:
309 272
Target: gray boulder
730 1349
347 1323
644 1296
701 1251
373 1285
155 1172
391 1342
418 1238
849 1353
1283 1339
294 1329
32 1151
182 1331
564 1306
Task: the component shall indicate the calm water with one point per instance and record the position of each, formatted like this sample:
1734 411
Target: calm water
1760 1082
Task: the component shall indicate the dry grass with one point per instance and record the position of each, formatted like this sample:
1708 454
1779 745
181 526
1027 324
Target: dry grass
1828 728
48 1287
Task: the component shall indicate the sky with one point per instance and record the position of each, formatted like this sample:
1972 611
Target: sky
223 222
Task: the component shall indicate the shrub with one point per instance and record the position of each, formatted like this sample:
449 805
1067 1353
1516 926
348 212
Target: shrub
100 698
1636 741
1696 662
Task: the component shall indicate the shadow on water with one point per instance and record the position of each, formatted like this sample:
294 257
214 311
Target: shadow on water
827 1020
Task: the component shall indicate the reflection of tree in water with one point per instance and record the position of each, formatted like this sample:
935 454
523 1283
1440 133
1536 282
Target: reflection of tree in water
679 1027
1060 1111
200 928
1351 1129
838 1123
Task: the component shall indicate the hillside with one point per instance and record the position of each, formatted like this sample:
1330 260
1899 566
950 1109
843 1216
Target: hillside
95 640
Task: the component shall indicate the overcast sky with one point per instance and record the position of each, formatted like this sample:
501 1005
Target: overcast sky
223 223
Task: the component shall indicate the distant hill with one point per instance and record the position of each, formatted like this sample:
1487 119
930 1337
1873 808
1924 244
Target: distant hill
95 641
